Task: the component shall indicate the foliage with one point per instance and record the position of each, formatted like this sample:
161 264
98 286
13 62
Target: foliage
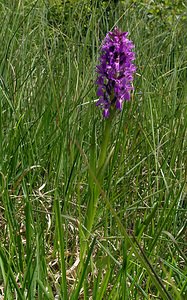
167 11
50 137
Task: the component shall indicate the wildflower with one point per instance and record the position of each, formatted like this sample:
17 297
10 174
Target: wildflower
115 71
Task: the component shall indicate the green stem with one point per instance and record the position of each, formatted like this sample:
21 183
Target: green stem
106 138
94 190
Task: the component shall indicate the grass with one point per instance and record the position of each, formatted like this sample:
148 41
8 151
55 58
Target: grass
50 138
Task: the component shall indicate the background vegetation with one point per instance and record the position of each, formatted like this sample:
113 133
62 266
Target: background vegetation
50 130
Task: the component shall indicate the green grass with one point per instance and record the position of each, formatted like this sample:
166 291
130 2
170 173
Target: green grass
50 139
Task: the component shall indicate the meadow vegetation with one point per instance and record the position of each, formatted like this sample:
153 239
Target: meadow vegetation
50 138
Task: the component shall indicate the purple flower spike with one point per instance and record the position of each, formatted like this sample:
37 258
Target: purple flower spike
115 71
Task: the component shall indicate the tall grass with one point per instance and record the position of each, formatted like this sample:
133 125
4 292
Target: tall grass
50 137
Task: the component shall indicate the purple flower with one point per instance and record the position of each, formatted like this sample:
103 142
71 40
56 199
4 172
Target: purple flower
115 71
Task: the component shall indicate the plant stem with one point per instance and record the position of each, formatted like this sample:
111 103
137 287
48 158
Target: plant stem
94 190
106 138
